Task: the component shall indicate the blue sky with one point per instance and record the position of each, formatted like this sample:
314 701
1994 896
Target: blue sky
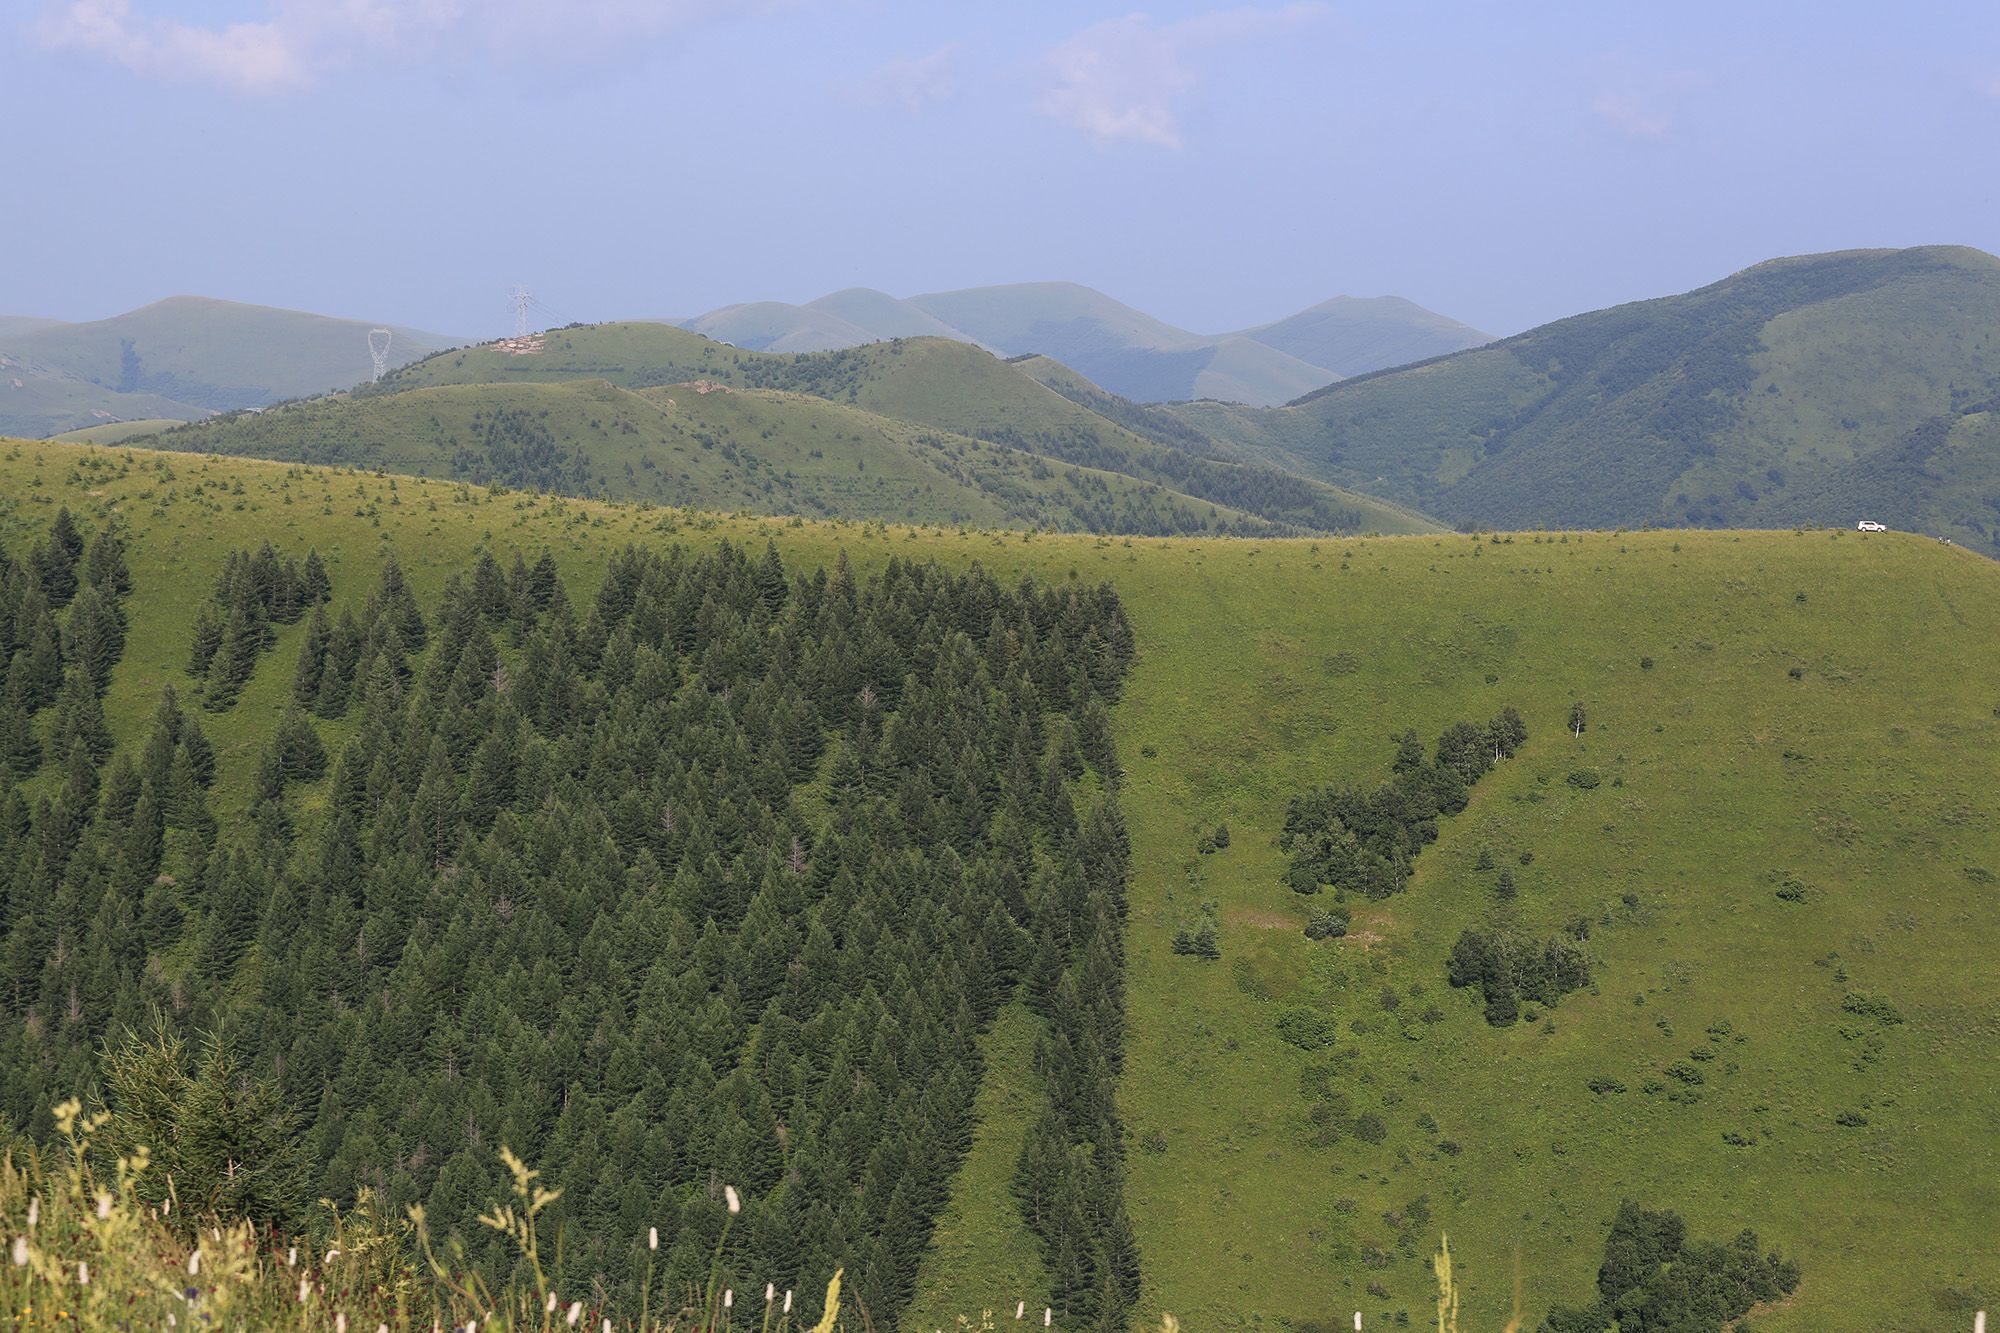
1217 166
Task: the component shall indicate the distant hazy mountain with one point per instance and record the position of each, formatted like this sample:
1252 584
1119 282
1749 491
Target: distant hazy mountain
181 358
1124 350
1815 390
1354 335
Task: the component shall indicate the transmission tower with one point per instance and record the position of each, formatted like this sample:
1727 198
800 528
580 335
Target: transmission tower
521 301
378 350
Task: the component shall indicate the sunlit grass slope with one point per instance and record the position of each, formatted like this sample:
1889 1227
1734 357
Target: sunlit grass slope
927 382
1791 836
766 450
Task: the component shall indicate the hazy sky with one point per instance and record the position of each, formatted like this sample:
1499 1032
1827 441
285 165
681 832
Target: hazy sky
410 160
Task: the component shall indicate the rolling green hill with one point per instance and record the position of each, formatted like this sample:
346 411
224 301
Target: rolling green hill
908 391
1772 832
765 450
181 358
1800 390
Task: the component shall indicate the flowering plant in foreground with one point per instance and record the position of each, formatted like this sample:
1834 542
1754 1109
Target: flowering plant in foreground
83 1250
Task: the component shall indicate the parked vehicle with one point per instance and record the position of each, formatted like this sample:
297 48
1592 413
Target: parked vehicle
1869 525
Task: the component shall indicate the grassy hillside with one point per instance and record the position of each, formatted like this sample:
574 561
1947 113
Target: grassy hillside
770 451
1788 392
196 354
118 432
1786 848
928 384
954 387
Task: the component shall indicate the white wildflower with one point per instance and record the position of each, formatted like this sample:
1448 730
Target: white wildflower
652 1238
103 1207
549 1305
788 1300
292 1257
34 1211
735 1203
305 1290
83 1272
728 1297
340 1322
575 1313
770 1292
194 1262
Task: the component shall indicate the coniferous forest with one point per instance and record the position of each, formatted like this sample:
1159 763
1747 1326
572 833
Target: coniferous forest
702 886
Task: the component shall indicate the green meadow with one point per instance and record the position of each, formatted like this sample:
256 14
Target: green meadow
1777 827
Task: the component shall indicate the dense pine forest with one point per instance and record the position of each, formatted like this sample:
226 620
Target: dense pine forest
697 895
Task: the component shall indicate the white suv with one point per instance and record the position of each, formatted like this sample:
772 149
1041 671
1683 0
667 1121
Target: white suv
1868 525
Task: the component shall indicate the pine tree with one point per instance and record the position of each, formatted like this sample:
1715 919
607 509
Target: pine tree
307 677
301 756
94 637
36 674
208 632
104 566
315 588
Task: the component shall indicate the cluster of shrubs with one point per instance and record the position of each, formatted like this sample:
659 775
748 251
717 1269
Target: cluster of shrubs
1507 970
1656 1280
1367 841
1197 937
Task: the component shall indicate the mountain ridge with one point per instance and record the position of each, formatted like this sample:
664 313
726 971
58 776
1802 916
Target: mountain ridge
1118 346
1747 402
924 429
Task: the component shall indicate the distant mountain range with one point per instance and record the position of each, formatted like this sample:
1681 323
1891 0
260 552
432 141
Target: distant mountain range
1808 391
1815 391
180 359
1120 349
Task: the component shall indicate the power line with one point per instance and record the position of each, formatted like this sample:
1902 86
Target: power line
378 350
521 302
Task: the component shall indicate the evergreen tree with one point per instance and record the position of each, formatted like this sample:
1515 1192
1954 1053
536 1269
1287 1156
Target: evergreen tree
315 588
301 757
